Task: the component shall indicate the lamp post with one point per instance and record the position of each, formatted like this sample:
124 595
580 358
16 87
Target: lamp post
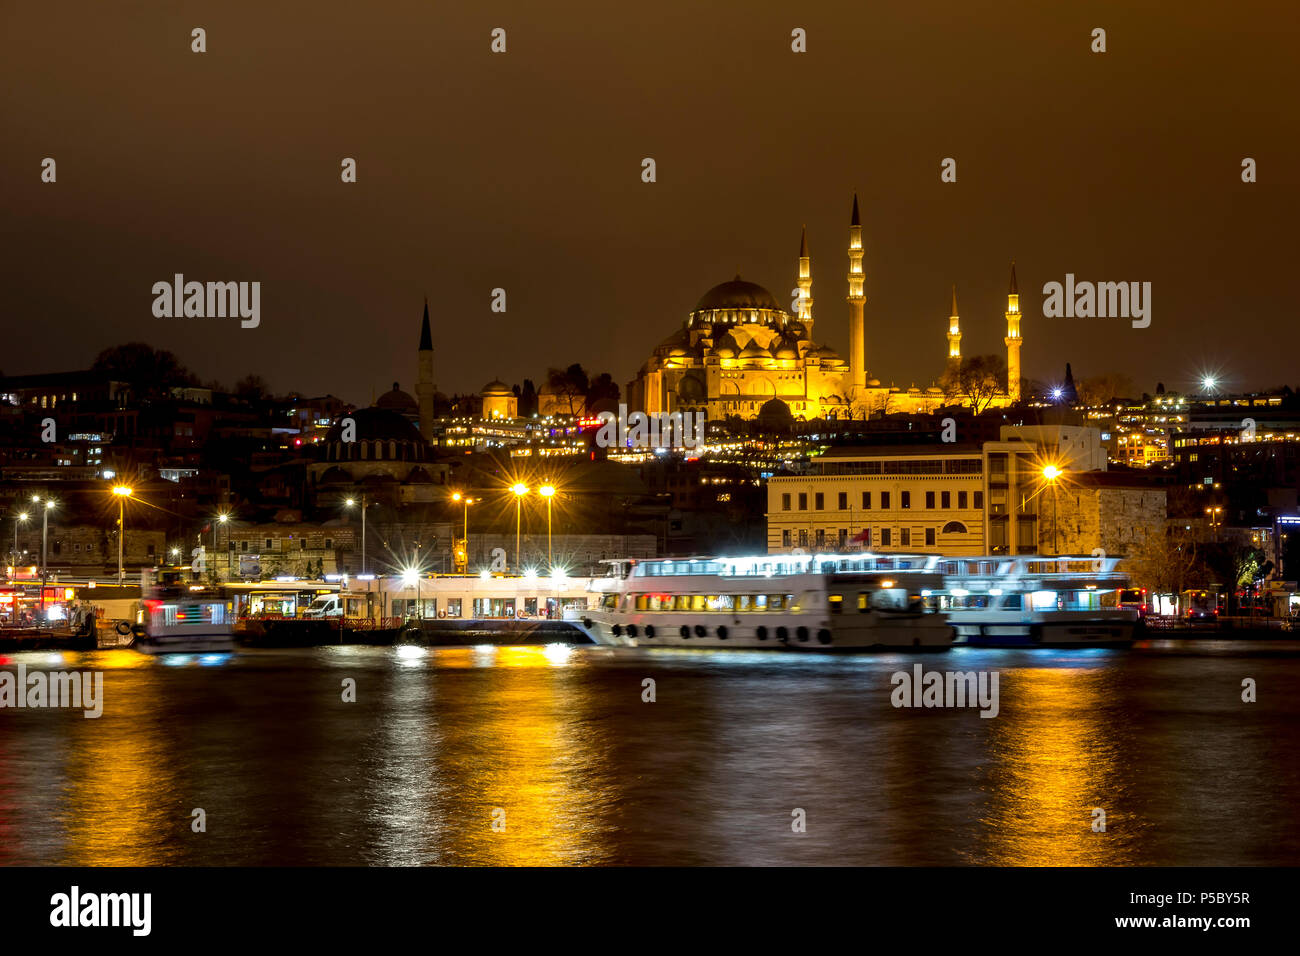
348 504
1216 519
466 501
548 492
221 519
45 541
520 489
18 518
1052 473
122 492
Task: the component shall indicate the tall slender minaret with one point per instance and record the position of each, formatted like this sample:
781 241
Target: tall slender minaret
857 338
1013 338
954 334
424 387
804 282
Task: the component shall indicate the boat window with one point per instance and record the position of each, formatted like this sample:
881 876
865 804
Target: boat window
836 602
862 600
894 599
699 602
1011 602
609 601
776 602
760 602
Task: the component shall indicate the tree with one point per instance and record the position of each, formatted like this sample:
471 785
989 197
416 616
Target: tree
1164 564
150 372
569 389
1101 389
602 387
977 381
252 388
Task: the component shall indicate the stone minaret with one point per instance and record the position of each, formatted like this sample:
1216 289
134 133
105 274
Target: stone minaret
1013 338
805 313
424 387
857 301
954 335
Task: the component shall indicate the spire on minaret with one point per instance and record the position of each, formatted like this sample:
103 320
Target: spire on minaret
424 387
803 280
855 221
1014 290
954 333
426 338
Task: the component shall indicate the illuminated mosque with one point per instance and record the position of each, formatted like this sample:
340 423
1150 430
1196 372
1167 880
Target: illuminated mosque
739 349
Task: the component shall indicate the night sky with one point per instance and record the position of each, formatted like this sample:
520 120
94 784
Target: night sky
523 171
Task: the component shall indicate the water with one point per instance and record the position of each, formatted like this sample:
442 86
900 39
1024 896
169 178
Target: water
585 772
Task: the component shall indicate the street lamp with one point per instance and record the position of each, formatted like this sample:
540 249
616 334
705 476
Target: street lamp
45 541
466 501
548 492
520 489
20 517
1051 473
122 492
348 504
1216 519
222 518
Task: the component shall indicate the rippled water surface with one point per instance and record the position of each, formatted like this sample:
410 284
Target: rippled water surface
558 745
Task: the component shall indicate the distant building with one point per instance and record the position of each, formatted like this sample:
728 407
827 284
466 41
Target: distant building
739 350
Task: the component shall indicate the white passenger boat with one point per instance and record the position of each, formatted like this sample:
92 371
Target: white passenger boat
779 601
1035 601
184 618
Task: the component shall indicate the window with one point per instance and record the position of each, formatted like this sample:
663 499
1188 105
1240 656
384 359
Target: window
302 544
329 543
929 499
866 538
905 537
884 500
268 544
929 536
785 538
961 499
820 539
906 500
803 501
803 538
785 502
843 502
819 501
884 537
866 501
945 499
954 527
979 499
243 546
453 607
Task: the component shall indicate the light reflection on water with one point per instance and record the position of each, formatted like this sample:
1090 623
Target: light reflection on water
556 746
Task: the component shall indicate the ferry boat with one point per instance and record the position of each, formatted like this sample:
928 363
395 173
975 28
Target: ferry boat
183 617
1035 601
778 601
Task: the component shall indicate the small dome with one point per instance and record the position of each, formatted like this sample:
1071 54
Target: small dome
726 346
873 383
785 348
755 351
398 401
497 387
796 329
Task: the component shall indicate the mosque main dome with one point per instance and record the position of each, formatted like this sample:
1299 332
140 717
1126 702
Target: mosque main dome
738 302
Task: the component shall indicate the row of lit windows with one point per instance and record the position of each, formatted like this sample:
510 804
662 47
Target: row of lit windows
944 499
883 537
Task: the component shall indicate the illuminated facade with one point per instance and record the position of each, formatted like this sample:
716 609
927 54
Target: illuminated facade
739 350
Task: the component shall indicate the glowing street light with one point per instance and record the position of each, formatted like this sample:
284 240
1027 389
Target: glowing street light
1052 473
122 492
1209 383
18 519
520 489
466 501
548 492
348 504
45 541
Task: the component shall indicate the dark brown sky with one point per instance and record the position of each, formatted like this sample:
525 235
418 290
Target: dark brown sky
522 171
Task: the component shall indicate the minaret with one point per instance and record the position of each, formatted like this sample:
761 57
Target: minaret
857 340
954 335
805 313
424 387
1013 338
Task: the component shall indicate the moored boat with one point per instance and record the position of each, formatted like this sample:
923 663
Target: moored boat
780 601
